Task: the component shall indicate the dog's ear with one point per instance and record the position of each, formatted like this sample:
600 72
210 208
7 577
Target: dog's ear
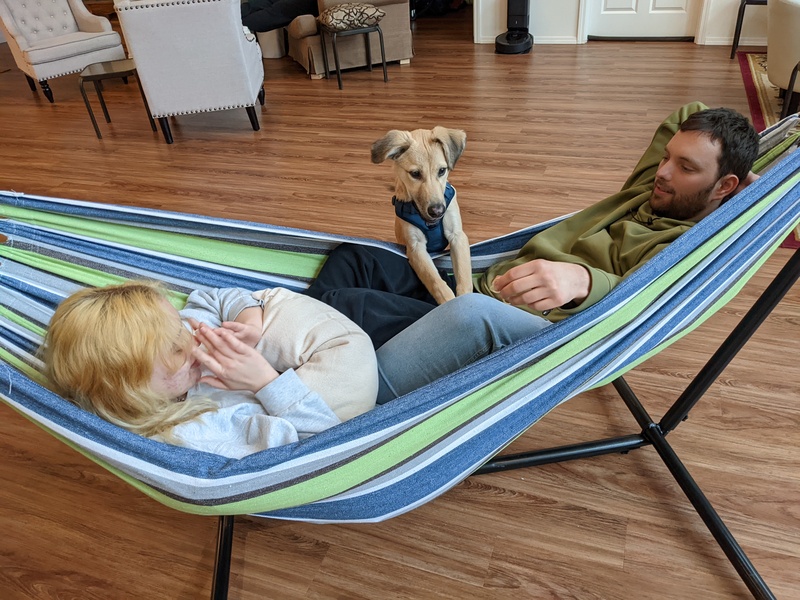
392 145
453 142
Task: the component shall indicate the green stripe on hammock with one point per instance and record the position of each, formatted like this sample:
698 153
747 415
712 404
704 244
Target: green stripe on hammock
281 262
24 367
15 318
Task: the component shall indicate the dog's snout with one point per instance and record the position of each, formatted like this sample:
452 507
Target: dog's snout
435 211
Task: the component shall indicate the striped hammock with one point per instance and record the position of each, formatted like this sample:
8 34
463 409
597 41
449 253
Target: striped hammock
399 455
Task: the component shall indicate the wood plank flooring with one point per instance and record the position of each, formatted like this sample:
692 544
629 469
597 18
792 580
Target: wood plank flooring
548 133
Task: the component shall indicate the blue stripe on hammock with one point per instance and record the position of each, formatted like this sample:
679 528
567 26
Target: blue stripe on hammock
147 264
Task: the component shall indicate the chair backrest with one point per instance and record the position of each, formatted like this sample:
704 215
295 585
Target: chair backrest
37 21
191 56
783 41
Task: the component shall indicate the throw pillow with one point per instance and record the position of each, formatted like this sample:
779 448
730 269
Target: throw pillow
351 15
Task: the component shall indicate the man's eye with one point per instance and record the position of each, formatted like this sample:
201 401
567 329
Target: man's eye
442 172
688 169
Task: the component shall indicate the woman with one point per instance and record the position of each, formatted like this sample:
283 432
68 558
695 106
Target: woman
236 372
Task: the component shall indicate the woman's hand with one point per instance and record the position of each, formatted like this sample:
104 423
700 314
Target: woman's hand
247 333
235 365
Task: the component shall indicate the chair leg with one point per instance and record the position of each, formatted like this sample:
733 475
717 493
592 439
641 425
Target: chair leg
738 31
262 95
251 112
788 97
31 82
48 93
164 122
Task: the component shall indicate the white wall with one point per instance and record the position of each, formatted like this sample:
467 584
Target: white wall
551 21
558 22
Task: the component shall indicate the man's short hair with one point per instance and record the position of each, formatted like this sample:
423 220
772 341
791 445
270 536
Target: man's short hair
735 134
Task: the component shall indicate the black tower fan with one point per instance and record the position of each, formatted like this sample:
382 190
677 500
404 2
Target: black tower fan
517 40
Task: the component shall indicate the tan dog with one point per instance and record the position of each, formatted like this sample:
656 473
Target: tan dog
424 221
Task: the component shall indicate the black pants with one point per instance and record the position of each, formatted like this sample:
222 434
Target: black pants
266 15
375 288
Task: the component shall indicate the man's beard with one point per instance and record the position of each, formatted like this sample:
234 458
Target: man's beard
683 207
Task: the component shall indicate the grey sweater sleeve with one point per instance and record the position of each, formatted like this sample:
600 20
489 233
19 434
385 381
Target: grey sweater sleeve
288 397
217 305
287 412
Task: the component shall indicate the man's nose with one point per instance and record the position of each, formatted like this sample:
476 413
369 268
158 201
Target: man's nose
664 171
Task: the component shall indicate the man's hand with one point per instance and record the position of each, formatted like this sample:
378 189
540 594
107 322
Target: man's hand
235 365
543 285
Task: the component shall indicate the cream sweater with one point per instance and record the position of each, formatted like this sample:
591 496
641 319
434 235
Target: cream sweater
328 372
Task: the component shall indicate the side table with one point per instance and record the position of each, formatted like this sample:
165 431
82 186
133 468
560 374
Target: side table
335 33
96 73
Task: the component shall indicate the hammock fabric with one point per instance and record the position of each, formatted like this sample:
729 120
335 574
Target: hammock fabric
404 453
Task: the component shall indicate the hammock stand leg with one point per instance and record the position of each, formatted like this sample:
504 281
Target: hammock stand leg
654 434
222 560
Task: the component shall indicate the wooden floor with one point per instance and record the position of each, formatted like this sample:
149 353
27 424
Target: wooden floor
548 133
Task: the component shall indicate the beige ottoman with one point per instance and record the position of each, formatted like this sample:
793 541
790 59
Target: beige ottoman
272 44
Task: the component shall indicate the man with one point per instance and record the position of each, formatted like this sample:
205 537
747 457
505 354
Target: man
266 15
698 158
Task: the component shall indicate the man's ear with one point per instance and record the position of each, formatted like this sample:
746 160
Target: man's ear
726 186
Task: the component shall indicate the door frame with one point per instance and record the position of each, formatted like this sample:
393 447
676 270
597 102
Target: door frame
699 34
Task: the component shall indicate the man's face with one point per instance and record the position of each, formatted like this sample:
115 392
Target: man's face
687 185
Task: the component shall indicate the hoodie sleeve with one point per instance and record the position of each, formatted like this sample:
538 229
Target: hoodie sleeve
217 305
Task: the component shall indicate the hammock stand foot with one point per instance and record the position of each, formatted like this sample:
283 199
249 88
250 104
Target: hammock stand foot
654 434
222 561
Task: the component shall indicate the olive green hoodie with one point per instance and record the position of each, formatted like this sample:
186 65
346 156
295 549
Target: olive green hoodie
610 238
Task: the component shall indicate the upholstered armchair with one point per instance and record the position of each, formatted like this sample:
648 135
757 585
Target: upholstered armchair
192 56
783 50
51 38
305 45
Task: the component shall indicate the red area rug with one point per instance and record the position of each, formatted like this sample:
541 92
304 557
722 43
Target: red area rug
765 105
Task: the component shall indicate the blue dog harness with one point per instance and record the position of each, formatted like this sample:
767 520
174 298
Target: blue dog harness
434 233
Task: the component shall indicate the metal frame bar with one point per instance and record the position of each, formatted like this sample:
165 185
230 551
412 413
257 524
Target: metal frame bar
654 434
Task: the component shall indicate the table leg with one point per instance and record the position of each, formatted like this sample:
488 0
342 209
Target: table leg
369 51
336 60
99 89
383 56
324 52
89 108
146 106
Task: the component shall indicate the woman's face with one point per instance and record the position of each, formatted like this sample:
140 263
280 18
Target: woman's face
176 373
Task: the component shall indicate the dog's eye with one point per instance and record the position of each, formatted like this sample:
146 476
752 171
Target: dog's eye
415 175
442 172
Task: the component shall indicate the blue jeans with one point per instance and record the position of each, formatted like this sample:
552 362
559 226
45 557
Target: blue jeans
451 336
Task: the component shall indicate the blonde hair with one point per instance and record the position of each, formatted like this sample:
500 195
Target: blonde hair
99 353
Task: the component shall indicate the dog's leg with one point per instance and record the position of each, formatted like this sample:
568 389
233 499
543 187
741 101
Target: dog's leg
421 261
459 248
462 265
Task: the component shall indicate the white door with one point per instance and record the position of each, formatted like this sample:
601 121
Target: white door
642 18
